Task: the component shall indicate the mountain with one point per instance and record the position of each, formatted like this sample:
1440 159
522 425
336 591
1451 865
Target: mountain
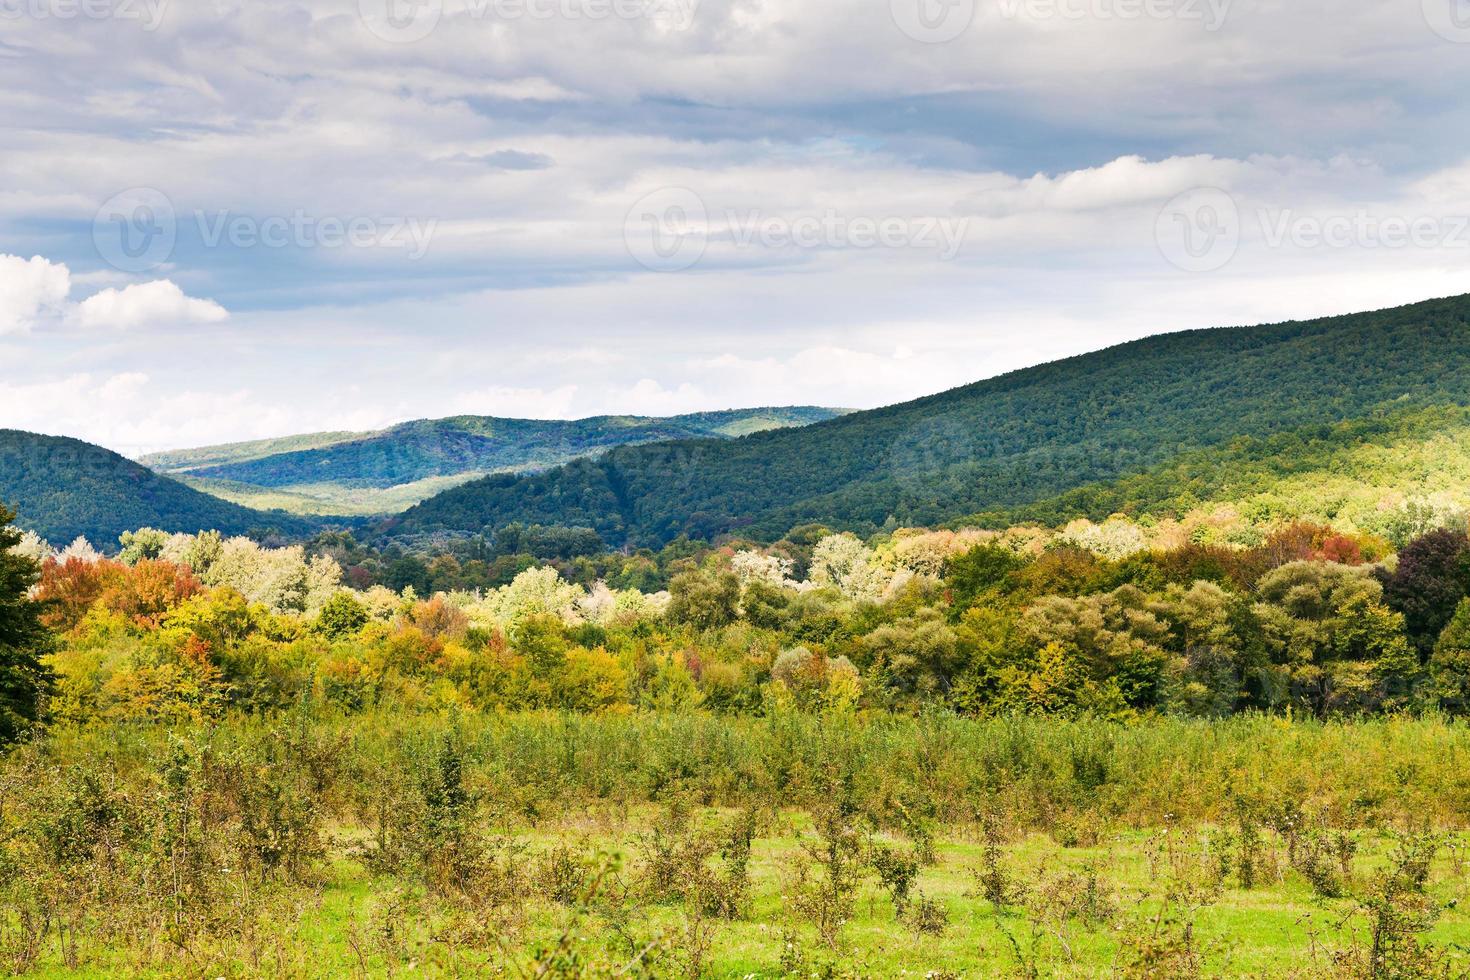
62 488
389 470
1096 433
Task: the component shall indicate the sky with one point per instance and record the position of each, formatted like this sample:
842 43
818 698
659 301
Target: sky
234 219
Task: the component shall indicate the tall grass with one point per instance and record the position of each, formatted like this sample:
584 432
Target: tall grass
1363 773
210 849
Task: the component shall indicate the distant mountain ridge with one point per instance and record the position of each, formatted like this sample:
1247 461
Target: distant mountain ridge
387 470
1000 449
64 488
1352 414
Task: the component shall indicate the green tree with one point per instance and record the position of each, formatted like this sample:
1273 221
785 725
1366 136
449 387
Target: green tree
542 640
1449 667
979 570
24 679
1114 638
144 543
704 600
920 654
1333 640
1432 576
342 616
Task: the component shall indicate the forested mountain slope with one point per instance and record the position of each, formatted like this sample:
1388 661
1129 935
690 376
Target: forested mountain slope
390 469
62 488
1002 445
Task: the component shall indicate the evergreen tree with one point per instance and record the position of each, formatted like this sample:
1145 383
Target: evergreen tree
24 679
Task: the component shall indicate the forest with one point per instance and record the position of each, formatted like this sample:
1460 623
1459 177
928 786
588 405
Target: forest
1052 442
1194 746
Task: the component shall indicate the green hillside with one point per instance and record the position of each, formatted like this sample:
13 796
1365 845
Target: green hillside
328 499
1110 429
62 488
387 471
180 460
1378 474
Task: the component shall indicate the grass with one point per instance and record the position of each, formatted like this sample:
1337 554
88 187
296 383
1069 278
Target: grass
328 499
396 844
1279 928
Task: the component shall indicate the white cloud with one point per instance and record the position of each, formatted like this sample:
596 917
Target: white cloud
648 397
35 291
522 403
147 304
30 290
133 412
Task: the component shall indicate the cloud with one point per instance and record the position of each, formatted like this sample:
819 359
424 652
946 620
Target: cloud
135 412
522 403
36 290
649 397
30 290
508 160
1056 138
152 303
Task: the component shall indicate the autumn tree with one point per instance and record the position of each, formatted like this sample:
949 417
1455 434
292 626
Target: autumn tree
1432 576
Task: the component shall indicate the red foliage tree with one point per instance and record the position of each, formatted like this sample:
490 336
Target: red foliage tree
70 588
148 590
143 592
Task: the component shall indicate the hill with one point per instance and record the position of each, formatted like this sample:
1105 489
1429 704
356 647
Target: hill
179 460
1095 433
62 488
389 470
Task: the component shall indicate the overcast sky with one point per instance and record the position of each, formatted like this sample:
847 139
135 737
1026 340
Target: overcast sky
223 219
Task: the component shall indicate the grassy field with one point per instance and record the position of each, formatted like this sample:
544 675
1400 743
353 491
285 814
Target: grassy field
328 499
1133 904
696 846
